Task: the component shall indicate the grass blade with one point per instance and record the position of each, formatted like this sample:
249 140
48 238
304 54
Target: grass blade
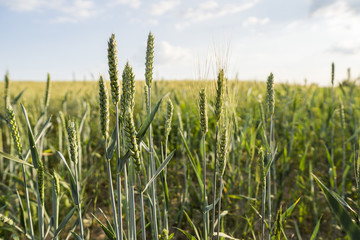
111 149
22 211
16 99
316 230
192 161
224 235
34 152
8 156
64 222
338 209
192 225
110 234
158 171
188 235
67 166
290 209
76 236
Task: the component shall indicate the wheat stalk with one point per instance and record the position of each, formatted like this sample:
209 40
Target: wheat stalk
56 198
148 79
73 149
115 93
218 110
270 100
104 123
202 105
261 162
221 168
16 137
6 91
47 93
134 166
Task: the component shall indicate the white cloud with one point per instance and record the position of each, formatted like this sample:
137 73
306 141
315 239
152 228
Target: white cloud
345 48
212 9
251 21
339 17
160 8
64 19
317 5
28 5
80 9
170 54
147 22
173 61
336 9
131 3
70 11
151 22
293 25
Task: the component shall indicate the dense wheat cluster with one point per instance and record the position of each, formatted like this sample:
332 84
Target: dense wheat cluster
211 159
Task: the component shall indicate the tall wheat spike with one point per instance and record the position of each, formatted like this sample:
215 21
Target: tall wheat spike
47 92
149 59
221 167
6 90
113 69
16 137
219 94
270 101
74 155
104 108
218 112
202 105
115 93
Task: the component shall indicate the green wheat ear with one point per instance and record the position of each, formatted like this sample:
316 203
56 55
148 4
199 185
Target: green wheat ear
149 60
129 87
332 73
130 134
146 95
270 96
6 93
14 130
72 137
104 108
113 69
128 93
219 94
203 111
40 179
47 93
55 176
168 118
222 150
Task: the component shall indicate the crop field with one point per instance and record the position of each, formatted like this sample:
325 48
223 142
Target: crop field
203 159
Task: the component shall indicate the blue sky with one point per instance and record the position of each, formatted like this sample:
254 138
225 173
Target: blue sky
294 39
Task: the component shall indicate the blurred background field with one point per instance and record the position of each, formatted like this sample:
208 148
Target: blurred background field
308 133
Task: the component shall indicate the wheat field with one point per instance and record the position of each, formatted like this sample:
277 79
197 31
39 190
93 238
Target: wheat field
195 159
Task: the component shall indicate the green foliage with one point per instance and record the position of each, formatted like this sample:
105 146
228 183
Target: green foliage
341 213
303 121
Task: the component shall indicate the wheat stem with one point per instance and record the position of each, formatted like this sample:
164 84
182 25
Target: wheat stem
143 232
112 195
152 171
118 176
214 181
